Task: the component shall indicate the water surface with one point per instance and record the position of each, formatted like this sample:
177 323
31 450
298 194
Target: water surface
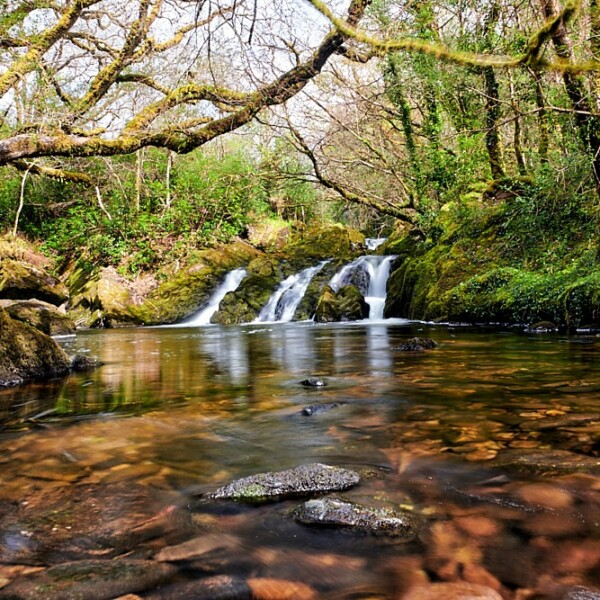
491 440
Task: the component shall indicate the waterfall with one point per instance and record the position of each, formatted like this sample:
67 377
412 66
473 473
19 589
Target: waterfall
373 243
285 300
230 284
369 274
377 291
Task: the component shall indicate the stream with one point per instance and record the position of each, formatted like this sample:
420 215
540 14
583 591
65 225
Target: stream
492 440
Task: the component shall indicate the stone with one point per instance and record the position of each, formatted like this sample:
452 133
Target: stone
300 481
20 280
451 591
549 461
416 344
336 512
313 382
219 587
317 409
43 316
264 588
26 353
90 580
196 547
95 521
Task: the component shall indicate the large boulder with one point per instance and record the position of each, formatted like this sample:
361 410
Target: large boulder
43 316
244 305
26 353
105 300
348 304
186 291
305 480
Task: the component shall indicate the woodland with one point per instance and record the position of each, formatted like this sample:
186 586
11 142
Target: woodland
134 134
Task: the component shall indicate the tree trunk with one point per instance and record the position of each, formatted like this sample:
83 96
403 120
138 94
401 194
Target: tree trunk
587 123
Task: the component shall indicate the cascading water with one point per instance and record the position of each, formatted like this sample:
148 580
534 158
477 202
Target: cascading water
369 274
230 284
285 300
373 243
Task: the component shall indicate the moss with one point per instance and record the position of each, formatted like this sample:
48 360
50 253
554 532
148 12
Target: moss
324 241
26 353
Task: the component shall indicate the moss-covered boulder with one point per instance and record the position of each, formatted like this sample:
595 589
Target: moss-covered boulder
41 315
348 304
20 280
244 305
322 242
26 353
106 300
186 291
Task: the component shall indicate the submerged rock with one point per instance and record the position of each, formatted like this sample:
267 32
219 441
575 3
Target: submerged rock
313 382
60 525
219 587
335 512
301 481
90 580
550 461
26 353
451 591
417 344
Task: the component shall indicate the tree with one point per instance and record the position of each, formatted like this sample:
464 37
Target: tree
101 78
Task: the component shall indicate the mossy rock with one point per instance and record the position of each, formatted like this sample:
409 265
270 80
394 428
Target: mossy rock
322 242
22 281
348 304
245 304
188 290
308 305
107 300
41 315
26 353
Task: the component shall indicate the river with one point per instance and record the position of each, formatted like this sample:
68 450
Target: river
491 440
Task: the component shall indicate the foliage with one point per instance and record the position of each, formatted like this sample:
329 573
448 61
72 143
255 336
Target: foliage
213 198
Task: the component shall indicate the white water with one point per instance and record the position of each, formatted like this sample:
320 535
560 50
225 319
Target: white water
373 243
230 284
285 300
377 270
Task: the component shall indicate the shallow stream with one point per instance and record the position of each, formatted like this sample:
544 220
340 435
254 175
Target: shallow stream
492 441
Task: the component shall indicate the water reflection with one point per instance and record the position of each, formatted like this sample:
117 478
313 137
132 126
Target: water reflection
492 438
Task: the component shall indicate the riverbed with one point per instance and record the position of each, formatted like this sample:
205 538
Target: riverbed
491 440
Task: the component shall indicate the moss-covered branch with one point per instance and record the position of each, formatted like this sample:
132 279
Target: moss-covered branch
531 57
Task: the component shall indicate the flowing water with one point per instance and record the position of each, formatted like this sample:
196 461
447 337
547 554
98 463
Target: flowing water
230 284
285 300
369 274
491 440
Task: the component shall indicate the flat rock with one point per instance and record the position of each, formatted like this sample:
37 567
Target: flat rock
196 547
95 521
335 512
572 420
305 480
89 580
551 461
